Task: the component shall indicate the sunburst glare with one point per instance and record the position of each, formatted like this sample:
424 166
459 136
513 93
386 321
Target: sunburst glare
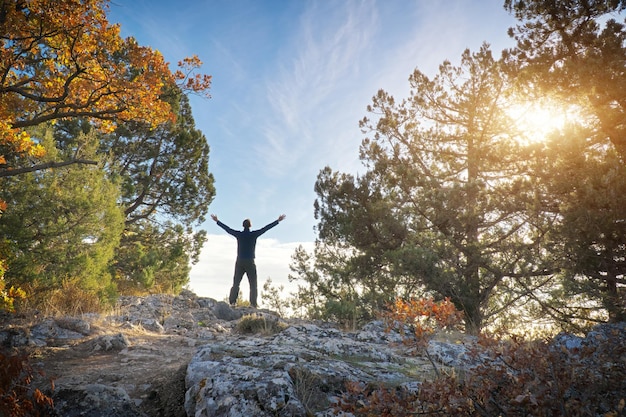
536 120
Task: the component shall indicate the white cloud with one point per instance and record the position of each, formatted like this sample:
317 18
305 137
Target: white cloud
212 276
322 58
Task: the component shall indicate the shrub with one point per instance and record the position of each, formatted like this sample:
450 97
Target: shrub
259 324
511 376
17 397
423 318
68 299
346 312
273 297
309 389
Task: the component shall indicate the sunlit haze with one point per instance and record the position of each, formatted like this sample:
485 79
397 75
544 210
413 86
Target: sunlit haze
537 119
291 80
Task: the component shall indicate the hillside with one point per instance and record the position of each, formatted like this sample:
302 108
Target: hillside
191 356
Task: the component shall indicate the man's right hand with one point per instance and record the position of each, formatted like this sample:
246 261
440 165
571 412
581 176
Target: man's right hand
214 217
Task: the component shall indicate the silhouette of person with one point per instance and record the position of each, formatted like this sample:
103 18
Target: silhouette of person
246 246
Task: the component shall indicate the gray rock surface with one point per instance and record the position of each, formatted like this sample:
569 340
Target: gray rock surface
95 400
297 372
183 356
58 331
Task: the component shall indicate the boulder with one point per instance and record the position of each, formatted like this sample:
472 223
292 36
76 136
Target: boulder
58 331
13 337
95 400
223 311
107 343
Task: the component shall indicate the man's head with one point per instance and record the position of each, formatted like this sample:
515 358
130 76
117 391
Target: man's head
247 223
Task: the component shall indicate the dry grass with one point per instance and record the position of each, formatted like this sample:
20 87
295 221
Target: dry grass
308 389
69 299
258 323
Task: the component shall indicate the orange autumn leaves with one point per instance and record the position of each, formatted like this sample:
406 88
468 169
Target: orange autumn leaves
19 142
62 59
188 80
424 315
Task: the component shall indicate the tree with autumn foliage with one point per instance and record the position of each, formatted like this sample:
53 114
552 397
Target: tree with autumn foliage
62 61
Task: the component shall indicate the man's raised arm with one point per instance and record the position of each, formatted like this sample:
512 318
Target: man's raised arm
223 226
272 224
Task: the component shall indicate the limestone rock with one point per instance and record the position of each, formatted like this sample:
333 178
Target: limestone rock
106 343
13 337
296 372
75 324
224 312
184 355
58 331
95 400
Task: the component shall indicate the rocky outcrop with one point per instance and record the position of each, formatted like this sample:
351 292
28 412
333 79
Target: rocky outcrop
297 372
191 356
186 355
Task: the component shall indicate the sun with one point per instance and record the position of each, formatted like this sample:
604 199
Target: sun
536 120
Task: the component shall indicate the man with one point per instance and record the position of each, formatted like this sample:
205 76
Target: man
246 245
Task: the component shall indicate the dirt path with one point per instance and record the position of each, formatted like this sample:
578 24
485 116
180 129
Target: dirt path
151 369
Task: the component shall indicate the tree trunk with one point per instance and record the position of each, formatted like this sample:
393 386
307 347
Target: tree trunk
613 301
473 320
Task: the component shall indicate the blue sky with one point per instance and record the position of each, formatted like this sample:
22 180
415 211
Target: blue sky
291 80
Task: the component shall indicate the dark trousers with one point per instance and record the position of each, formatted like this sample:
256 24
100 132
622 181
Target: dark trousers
248 267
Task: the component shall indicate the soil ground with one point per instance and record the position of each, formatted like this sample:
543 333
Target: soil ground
151 370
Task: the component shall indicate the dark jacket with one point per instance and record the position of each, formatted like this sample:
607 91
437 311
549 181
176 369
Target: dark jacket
246 239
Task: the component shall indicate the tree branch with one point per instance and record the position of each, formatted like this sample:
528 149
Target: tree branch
47 165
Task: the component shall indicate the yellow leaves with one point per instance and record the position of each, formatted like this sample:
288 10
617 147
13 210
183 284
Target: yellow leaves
7 133
16 293
8 297
190 62
107 126
73 43
62 59
19 142
37 151
23 142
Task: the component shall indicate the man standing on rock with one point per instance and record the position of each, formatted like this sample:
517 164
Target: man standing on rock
246 245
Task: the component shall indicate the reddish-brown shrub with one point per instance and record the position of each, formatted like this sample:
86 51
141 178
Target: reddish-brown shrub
510 377
17 397
424 316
